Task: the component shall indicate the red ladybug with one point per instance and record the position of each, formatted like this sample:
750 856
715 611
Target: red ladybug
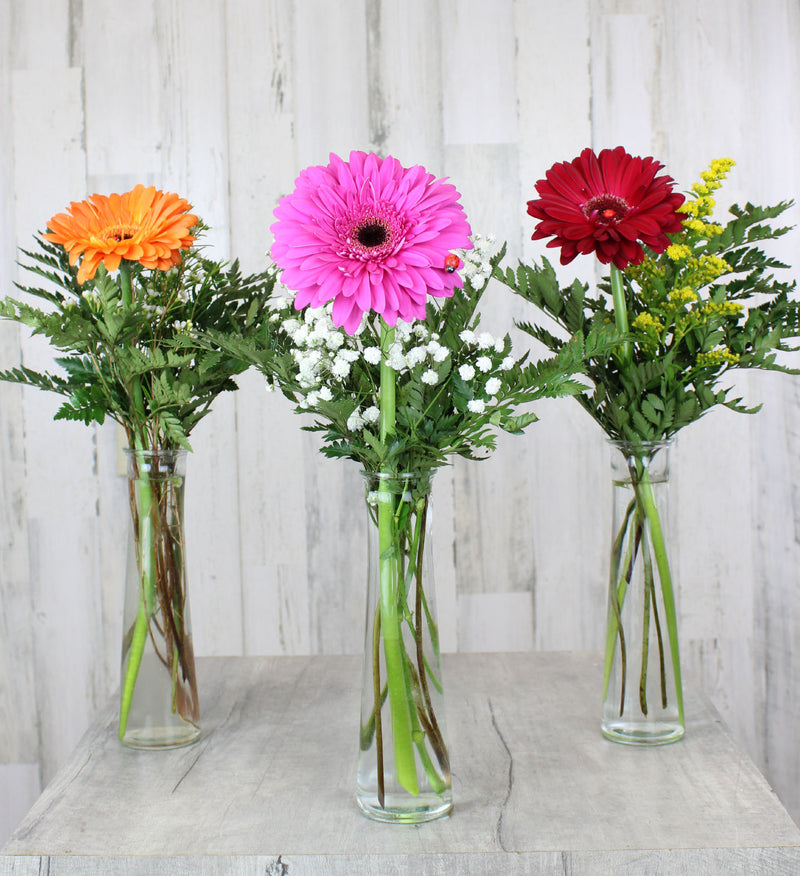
451 263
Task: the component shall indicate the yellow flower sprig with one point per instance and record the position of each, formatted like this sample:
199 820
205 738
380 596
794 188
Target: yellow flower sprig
671 290
702 203
714 358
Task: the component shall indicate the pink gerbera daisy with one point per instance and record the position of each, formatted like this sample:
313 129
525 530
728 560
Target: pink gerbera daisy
370 235
607 204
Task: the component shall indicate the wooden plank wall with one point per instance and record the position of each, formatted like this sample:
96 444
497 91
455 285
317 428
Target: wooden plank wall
225 103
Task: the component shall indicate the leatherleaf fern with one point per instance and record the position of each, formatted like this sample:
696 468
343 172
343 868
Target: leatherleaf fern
710 303
129 339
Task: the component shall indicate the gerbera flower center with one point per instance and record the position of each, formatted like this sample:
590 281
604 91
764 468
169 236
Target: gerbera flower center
119 232
372 231
373 234
605 209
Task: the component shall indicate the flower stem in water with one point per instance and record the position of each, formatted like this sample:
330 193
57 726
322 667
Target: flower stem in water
391 616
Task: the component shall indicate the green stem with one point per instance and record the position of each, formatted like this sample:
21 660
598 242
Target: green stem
376 709
618 586
387 397
391 615
433 632
125 285
620 310
422 728
368 730
138 415
660 638
649 589
142 511
662 563
433 730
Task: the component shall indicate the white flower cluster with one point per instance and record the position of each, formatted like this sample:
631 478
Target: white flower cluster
149 304
324 355
155 305
319 348
92 296
477 267
368 417
487 355
482 358
413 345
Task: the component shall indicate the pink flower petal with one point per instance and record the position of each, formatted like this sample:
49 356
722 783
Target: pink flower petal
370 235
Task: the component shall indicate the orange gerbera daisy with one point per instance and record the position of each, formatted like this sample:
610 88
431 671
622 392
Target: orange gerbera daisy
144 225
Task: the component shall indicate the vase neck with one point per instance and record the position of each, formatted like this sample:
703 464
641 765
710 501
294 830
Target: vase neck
398 482
159 462
635 460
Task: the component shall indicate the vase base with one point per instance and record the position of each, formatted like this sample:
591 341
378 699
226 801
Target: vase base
423 808
161 738
631 733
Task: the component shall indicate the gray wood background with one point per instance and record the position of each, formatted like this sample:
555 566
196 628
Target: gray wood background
225 103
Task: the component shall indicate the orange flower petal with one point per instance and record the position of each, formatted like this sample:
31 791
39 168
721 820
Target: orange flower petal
143 225
88 267
112 260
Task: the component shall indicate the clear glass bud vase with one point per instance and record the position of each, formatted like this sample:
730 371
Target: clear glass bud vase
158 698
642 695
403 766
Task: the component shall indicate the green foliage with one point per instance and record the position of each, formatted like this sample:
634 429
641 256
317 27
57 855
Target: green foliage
139 358
707 305
443 367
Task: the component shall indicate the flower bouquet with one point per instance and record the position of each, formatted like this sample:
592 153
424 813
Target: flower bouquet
126 293
687 300
380 345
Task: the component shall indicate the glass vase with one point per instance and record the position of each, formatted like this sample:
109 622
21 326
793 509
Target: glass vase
403 765
158 694
642 694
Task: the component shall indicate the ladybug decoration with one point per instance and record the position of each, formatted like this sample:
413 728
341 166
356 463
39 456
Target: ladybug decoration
451 263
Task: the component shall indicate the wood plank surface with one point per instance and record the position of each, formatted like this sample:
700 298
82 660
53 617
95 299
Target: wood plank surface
273 778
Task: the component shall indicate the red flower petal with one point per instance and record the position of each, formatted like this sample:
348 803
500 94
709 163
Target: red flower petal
642 207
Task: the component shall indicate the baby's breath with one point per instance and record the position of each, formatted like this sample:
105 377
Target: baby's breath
441 406
466 371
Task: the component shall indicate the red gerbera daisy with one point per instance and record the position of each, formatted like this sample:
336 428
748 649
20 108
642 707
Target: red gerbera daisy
607 204
370 235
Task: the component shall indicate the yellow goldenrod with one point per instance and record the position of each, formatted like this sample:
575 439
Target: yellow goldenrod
706 269
683 295
678 251
722 308
647 322
713 358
